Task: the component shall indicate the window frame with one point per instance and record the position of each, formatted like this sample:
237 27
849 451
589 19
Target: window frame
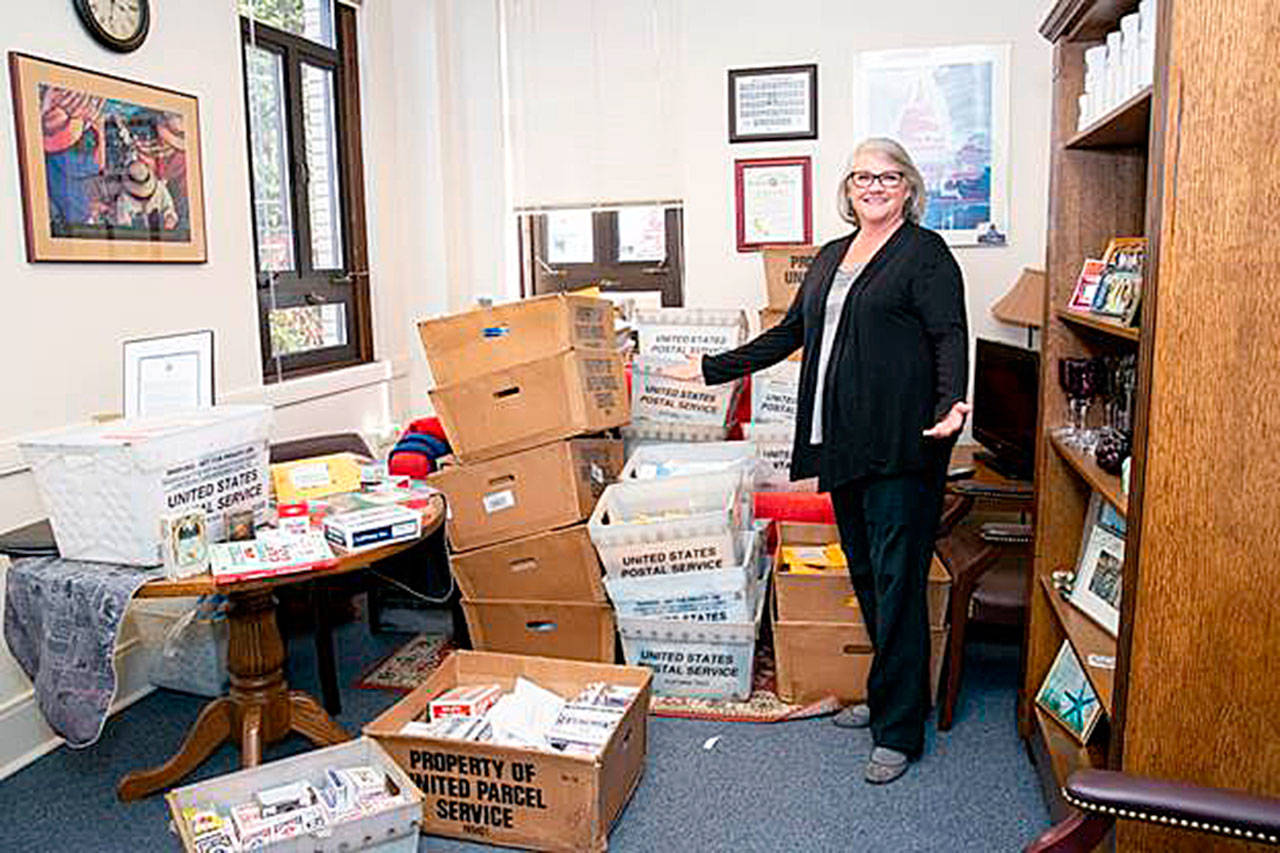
305 285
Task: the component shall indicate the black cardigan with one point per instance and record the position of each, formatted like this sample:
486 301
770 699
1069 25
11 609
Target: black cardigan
899 360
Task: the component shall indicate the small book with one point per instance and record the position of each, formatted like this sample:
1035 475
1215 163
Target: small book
271 553
1086 285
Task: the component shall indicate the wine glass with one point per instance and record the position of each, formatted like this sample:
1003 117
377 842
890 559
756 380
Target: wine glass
1073 378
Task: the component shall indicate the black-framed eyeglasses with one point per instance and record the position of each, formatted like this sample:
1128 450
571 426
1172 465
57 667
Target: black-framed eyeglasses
888 180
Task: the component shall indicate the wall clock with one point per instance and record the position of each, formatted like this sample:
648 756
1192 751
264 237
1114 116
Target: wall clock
118 24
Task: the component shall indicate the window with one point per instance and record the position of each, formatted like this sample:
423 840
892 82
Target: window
622 248
302 98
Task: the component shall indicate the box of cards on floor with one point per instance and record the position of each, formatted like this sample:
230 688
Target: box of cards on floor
463 346
528 492
522 794
669 526
577 630
558 565
348 797
811 578
529 404
107 486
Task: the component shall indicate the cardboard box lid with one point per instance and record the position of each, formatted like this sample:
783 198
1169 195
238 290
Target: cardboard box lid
468 344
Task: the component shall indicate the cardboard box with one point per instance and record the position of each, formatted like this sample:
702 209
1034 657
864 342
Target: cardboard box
572 801
820 659
573 630
529 404
528 492
784 271
466 345
829 597
770 317
362 529
558 565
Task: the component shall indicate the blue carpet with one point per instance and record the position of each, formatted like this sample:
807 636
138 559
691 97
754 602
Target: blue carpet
765 787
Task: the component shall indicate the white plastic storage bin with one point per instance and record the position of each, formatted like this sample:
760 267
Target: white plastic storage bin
671 526
773 444
659 461
675 333
775 392
655 396
641 433
106 486
394 830
721 595
703 660
186 639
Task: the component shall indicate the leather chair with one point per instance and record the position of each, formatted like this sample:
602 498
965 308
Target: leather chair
1105 796
984 588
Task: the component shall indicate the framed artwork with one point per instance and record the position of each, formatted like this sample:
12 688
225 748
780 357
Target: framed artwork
167 374
1068 697
1086 285
780 102
1099 576
773 201
1119 288
949 107
110 168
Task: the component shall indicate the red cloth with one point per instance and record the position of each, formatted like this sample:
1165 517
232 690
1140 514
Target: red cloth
795 506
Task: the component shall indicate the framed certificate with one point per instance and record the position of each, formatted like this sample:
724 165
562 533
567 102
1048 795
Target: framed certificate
167 374
773 202
774 103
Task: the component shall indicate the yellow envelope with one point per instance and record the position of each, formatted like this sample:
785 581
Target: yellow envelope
317 477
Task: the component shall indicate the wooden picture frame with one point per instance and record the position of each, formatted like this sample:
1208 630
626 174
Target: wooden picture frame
1068 697
110 168
773 202
779 102
1099 576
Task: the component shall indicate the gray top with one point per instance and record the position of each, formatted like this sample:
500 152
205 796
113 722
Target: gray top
840 287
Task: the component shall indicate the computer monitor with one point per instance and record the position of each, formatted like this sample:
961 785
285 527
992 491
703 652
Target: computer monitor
1006 382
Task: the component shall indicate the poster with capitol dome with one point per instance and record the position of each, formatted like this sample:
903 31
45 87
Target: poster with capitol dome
949 107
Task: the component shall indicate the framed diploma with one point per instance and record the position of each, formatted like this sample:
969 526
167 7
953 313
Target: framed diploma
774 103
774 202
168 374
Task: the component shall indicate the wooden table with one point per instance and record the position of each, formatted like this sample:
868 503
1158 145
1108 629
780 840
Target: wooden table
259 708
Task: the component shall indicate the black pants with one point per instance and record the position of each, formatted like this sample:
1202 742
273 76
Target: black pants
887 527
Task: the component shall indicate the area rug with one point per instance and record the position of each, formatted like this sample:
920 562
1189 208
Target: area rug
408 666
763 706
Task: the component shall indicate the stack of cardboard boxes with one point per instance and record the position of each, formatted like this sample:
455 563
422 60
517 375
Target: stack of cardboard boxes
519 388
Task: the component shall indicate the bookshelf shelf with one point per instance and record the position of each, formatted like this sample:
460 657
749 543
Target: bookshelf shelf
1065 755
1087 639
1108 484
1125 126
1099 324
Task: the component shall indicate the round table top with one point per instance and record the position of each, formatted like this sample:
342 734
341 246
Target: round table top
203 584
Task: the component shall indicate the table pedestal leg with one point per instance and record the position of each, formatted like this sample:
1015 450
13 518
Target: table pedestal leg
259 710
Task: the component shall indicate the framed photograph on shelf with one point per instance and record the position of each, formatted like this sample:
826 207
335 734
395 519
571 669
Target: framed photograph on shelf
775 103
949 107
110 168
1068 697
773 202
1086 285
1099 576
1119 288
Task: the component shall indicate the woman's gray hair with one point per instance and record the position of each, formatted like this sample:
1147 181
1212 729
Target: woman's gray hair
913 208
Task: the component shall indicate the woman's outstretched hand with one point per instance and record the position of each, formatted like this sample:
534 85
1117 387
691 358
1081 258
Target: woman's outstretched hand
689 371
951 423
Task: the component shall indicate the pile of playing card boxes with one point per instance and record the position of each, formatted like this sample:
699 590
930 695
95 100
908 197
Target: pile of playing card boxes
522 751
683 565
519 388
346 797
821 644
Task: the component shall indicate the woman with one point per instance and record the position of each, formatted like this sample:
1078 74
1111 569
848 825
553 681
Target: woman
881 317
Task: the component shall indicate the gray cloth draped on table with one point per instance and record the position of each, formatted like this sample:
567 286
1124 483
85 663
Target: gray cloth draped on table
61 621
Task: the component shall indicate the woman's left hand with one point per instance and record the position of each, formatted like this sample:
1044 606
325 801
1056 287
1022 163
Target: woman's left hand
951 423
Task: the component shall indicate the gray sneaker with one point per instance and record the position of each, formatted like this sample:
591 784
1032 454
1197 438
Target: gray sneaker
885 765
853 717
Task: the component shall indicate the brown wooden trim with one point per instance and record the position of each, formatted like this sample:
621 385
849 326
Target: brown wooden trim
1082 20
353 178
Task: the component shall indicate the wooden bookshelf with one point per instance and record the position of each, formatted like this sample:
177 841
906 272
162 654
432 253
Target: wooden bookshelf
1087 638
1108 484
1199 603
1124 126
1097 324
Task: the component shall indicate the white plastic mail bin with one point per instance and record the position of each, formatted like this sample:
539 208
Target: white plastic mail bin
658 461
773 444
641 433
106 486
675 333
670 526
393 830
717 596
655 396
775 393
695 659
